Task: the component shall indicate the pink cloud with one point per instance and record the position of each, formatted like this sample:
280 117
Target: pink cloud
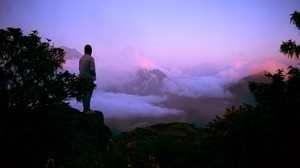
268 66
135 55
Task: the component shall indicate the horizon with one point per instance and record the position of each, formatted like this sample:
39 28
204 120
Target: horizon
202 47
192 96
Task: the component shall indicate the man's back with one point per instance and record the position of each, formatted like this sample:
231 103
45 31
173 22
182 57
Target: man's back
87 67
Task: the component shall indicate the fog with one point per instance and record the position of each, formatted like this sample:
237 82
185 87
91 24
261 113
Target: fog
138 93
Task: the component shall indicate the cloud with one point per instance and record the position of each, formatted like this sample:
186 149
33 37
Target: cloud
267 66
71 65
185 95
123 105
135 56
197 86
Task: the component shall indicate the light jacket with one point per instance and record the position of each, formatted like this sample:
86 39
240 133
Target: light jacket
87 67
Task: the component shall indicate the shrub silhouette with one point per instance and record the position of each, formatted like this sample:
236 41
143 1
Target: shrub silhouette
35 123
31 73
264 135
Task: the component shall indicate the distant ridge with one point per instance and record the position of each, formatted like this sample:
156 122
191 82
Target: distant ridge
241 89
71 53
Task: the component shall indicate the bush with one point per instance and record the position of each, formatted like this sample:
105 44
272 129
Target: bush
31 72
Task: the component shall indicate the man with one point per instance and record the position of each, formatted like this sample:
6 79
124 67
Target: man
87 73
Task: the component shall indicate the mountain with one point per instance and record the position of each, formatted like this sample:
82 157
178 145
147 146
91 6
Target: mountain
146 82
71 53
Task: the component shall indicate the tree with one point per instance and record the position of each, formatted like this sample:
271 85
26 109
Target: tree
290 48
31 73
264 135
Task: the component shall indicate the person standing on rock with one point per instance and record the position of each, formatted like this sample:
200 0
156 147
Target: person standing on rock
87 73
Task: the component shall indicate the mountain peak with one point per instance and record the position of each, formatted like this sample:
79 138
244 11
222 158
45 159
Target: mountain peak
71 53
146 82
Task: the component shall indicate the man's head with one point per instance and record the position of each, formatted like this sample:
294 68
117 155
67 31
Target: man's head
88 49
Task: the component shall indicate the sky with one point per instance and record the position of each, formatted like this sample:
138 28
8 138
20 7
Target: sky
202 46
164 32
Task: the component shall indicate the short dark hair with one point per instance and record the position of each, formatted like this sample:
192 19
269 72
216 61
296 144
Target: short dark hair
87 49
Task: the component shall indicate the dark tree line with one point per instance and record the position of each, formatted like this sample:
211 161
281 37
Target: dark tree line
263 135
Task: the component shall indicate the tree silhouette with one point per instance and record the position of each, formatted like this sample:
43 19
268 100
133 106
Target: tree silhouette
265 134
31 73
290 48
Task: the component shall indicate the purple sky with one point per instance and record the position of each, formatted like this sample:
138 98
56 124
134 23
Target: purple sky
202 47
167 33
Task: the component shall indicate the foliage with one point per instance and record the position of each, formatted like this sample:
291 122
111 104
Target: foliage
162 145
290 48
261 135
295 19
264 135
35 123
31 72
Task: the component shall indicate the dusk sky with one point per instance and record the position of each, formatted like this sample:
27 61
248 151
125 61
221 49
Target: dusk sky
164 32
201 45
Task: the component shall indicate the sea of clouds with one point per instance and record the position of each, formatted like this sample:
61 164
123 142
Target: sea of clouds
195 95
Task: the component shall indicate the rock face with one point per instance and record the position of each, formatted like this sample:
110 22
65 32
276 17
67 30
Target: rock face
64 138
80 140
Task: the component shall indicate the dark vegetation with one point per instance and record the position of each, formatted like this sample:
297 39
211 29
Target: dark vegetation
35 123
37 128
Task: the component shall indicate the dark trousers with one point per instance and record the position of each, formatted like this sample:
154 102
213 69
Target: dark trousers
86 100
88 87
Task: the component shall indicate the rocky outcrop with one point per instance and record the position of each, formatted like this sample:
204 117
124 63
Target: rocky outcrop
79 140
64 138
